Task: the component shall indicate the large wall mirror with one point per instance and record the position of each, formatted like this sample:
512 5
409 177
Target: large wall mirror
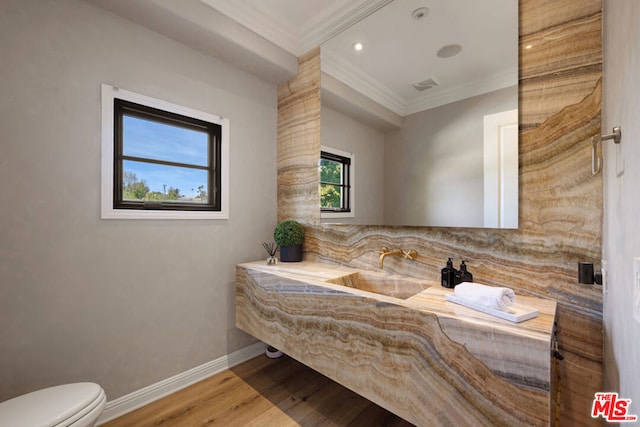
428 109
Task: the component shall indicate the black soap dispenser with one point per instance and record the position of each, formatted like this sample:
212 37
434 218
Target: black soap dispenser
463 275
449 275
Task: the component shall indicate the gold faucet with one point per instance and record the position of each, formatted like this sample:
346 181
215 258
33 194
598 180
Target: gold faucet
384 251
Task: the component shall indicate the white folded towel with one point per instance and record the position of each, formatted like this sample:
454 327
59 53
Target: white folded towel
488 296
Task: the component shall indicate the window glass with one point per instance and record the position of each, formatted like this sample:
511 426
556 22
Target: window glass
149 181
334 182
160 141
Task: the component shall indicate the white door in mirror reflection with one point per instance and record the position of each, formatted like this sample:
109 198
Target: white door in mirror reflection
501 170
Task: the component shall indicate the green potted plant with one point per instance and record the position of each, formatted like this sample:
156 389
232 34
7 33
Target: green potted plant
289 235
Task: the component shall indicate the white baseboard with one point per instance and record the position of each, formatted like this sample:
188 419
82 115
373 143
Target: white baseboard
132 401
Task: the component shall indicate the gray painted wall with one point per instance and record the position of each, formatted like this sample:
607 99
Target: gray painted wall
434 163
621 243
344 133
124 303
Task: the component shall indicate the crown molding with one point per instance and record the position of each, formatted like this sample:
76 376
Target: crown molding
362 82
297 40
371 88
333 22
277 31
333 19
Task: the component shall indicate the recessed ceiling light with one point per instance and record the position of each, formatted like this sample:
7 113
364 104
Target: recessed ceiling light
529 46
449 50
420 13
358 46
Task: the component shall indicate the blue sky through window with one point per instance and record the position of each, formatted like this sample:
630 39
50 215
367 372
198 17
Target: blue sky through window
159 141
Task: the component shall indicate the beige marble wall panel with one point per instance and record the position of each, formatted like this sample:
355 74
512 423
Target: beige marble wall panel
566 47
555 166
545 97
546 16
299 142
565 58
560 201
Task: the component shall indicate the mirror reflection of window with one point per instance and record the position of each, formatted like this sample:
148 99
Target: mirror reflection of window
335 168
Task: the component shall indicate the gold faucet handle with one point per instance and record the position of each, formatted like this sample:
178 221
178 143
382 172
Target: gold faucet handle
412 254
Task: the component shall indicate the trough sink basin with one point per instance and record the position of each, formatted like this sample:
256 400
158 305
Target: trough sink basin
382 283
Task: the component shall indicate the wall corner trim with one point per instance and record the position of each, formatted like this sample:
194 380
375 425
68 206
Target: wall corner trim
139 398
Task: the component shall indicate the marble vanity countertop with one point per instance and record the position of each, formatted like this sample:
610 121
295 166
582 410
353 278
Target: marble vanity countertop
432 299
397 341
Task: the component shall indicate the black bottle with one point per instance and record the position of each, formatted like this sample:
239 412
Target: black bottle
449 275
463 275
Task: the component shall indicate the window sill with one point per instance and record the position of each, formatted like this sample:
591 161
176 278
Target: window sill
337 215
148 214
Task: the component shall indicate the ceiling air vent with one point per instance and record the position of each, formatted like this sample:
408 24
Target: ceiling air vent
426 84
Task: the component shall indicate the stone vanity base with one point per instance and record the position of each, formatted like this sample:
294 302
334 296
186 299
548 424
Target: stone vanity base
427 360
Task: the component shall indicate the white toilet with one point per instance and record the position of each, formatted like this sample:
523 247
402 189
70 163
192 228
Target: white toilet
69 405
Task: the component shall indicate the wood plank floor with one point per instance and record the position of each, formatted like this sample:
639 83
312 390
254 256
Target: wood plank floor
263 392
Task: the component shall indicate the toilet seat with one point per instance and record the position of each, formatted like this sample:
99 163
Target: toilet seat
60 406
92 410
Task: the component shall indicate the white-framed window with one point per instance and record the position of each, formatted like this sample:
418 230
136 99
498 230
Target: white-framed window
336 169
161 160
